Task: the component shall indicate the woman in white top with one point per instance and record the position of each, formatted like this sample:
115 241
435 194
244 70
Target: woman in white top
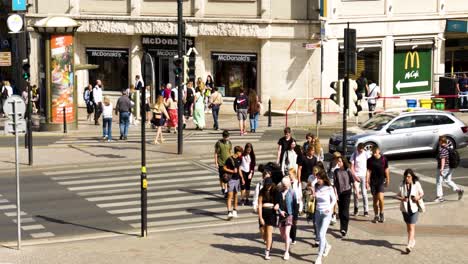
107 119
410 194
296 186
247 169
289 159
325 201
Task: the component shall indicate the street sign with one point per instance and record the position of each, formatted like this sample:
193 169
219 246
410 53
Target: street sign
20 107
311 46
10 126
412 71
15 23
5 59
18 5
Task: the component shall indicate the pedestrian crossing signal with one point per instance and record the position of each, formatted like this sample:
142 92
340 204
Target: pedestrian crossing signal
336 97
178 66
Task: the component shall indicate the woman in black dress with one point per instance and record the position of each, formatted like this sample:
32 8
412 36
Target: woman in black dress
267 214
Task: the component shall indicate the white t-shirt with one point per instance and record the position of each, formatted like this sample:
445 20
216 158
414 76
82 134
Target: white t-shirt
97 94
359 160
107 110
374 90
245 165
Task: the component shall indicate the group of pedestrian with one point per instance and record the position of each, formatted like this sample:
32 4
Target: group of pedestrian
247 105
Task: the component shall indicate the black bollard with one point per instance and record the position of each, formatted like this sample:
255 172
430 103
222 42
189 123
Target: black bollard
64 120
319 112
269 112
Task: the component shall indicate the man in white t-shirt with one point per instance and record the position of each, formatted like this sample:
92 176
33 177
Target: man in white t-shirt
373 92
359 169
97 97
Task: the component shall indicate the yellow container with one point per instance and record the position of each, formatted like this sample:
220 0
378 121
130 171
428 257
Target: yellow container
425 103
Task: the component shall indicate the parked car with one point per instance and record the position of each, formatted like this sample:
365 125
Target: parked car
397 132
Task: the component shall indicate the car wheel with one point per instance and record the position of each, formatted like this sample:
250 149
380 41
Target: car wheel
451 143
369 146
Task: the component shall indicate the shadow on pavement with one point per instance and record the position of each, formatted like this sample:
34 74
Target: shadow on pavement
63 222
109 156
207 213
376 243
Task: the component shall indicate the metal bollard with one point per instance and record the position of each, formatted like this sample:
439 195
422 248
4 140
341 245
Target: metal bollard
64 120
269 112
319 116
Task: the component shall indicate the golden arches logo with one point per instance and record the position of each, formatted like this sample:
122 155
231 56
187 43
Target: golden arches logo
412 55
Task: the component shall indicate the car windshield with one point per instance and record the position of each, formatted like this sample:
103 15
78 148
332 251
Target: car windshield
377 122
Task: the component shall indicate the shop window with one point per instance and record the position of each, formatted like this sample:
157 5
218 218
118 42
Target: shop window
368 61
233 71
113 68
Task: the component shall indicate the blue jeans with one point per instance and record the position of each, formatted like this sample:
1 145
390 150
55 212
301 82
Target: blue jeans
215 112
322 220
445 177
464 100
124 123
254 122
107 128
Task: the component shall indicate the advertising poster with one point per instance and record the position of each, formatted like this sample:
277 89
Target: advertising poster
412 71
61 67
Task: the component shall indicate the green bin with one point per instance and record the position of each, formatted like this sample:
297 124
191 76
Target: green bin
438 103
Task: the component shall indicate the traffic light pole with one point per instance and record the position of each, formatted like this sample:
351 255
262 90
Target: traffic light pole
143 179
180 106
346 92
26 75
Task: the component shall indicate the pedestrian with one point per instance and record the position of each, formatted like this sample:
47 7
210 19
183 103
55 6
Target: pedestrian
359 169
107 119
189 100
254 110
199 110
309 137
147 104
288 210
266 177
378 178
209 85
373 92
88 98
410 194
462 88
444 171
223 150
160 116
231 166
362 85
305 164
318 148
241 103
343 182
167 91
325 200
134 96
24 95
139 84
216 100
296 186
289 159
97 97
171 106
6 92
310 193
332 166
283 144
123 107
267 213
35 99
247 169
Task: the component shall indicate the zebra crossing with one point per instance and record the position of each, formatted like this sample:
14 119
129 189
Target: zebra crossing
190 136
181 193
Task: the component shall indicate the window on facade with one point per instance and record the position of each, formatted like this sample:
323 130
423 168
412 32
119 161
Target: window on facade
368 61
113 68
233 71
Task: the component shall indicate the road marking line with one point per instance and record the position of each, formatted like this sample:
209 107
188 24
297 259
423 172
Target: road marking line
32 227
42 235
165 207
188 220
421 177
12 214
8 206
4 201
25 220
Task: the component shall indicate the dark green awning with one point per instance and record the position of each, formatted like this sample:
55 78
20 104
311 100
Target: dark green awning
459 26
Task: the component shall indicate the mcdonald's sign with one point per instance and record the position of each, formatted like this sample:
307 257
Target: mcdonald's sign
412 71
412 56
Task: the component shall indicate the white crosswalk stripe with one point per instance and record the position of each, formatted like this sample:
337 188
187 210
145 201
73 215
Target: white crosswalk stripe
180 193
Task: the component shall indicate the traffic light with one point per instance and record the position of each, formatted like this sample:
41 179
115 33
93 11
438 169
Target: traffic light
26 67
336 97
354 102
178 65
186 69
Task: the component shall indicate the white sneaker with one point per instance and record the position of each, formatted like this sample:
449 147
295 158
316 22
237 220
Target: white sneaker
267 254
286 256
333 220
229 215
234 214
327 250
318 260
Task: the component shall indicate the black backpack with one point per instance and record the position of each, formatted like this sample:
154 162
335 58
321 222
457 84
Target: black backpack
276 173
454 158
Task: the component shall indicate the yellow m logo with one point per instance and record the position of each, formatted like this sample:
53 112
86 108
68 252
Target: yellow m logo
412 55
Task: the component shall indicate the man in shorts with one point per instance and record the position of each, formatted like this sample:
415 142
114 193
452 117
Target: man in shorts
231 166
378 178
223 149
241 104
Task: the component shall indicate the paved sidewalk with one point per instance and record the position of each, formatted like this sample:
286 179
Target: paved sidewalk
441 234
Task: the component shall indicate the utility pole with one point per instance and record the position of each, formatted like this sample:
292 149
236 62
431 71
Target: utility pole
143 179
180 106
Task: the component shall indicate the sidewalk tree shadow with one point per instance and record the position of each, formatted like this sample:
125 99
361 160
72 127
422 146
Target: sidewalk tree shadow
375 243
63 222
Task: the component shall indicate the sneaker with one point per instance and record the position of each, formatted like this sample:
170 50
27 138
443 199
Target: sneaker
121 137
293 242
327 250
109 140
439 200
366 214
315 244
286 256
318 260
333 220
104 137
460 194
230 215
408 249
343 234
267 254
234 214
356 211
376 219
382 218
242 202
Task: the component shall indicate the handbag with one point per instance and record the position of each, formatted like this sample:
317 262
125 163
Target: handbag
421 206
227 177
310 209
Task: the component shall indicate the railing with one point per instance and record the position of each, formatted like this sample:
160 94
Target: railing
287 110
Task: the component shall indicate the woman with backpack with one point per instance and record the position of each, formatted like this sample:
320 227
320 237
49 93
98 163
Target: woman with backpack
289 158
88 98
288 211
343 181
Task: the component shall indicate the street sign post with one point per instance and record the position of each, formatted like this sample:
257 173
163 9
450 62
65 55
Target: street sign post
412 71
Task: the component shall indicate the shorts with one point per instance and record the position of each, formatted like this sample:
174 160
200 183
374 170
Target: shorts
241 114
377 188
220 172
288 221
234 185
410 218
247 181
269 216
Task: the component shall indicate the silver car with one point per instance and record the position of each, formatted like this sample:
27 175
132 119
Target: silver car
403 132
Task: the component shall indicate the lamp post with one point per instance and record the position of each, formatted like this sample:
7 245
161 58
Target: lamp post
61 91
